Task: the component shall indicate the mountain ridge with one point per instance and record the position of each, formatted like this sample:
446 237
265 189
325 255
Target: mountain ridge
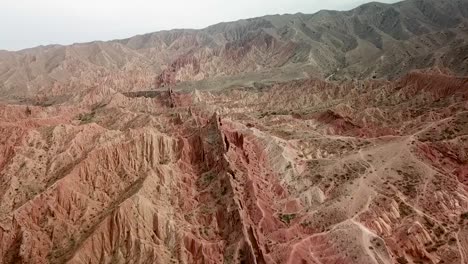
373 40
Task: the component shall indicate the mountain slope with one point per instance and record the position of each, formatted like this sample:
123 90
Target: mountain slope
372 41
261 141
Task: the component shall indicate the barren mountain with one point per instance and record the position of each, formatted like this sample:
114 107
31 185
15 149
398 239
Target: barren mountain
337 137
372 41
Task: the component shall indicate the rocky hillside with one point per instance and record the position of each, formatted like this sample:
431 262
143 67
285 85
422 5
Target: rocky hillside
332 138
372 41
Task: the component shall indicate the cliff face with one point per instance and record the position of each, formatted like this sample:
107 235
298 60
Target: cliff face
361 172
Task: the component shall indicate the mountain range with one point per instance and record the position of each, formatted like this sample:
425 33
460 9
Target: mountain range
375 40
331 138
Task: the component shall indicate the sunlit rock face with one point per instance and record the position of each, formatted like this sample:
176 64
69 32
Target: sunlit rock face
338 137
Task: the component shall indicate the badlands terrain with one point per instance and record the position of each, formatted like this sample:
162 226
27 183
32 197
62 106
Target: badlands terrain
336 137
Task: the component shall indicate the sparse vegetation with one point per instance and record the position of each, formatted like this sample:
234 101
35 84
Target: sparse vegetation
205 179
439 231
86 118
287 218
164 160
402 260
224 191
405 210
28 111
464 216
241 254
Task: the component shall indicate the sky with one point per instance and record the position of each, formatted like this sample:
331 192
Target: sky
30 23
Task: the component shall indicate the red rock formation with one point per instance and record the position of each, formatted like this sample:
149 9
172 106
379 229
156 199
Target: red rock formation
264 146
239 176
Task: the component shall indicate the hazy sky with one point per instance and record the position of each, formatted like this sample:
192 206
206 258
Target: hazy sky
28 23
